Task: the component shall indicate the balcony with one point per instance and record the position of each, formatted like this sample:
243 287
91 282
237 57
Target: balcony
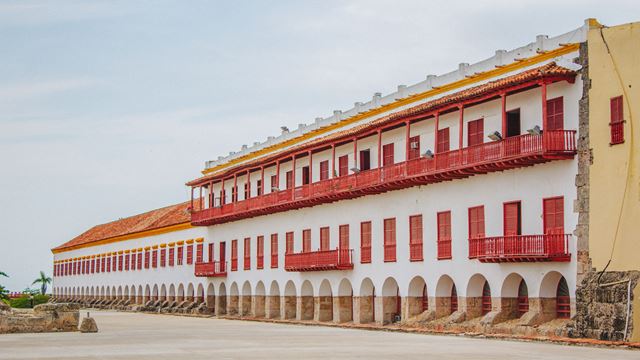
321 260
211 269
509 153
521 248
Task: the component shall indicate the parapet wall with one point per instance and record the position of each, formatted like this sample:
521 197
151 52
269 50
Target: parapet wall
43 318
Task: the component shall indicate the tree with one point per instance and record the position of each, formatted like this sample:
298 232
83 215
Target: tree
43 280
3 274
3 293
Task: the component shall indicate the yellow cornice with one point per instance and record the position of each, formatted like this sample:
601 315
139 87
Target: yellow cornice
199 240
147 248
162 246
171 244
127 251
154 247
190 241
566 49
140 249
180 243
141 234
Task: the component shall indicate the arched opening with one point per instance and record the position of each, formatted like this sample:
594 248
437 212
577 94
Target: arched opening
190 293
180 293
245 306
417 299
259 300
211 297
154 295
306 301
454 299
345 301
273 307
510 306
234 297
163 292
125 294
555 296
391 302
563 300
325 302
119 292
221 305
486 299
147 294
523 298
366 302
446 297
200 294
289 300
140 295
478 297
132 295
172 293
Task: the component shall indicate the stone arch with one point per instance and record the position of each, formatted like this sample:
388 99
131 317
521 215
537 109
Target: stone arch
234 297
246 303
107 293
345 301
180 293
391 302
307 308
200 294
190 292
366 302
324 302
211 297
290 301
417 297
512 303
555 295
446 296
221 304
259 300
476 302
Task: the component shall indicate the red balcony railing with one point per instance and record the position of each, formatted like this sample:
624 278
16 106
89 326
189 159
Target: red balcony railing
500 155
415 252
211 269
521 248
338 259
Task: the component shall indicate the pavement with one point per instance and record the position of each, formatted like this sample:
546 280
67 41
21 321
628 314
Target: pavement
149 336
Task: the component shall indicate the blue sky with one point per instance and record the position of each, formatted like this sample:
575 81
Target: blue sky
108 107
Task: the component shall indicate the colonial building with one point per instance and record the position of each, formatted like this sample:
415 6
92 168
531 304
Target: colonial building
452 202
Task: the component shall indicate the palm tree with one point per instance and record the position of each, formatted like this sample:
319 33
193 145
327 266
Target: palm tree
43 280
3 274
3 293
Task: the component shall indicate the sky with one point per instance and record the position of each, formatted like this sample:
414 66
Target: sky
108 107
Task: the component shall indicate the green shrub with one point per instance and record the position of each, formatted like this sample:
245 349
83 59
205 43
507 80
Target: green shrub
24 302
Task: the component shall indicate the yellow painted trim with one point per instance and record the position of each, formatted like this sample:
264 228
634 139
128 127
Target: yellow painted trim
140 249
133 250
127 251
180 243
154 247
163 246
190 241
120 252
141 234
147 248
199 240
171 244
569 48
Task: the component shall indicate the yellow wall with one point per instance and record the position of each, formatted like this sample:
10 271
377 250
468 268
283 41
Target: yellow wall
617 166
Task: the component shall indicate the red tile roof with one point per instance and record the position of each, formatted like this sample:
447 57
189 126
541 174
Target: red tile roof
151 220
545 71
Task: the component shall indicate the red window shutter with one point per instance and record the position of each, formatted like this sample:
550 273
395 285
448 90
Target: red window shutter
553 209
172 253
344 236
154 259
223 253
234 193
388 154
365 242
274 182
305 175
443 140
163 257
274 251
180 255
147 260
475 131
512 219
126 262
390 240
555 114
234 255
189 254
260 252
617 120
444 235
247 191
324 170
259 187
247 253
343 165
414 147
289 245
415 238
211 246
306 240
289 179
324 238
199 251
476 222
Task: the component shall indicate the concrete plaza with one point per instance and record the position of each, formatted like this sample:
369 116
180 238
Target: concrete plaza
150 336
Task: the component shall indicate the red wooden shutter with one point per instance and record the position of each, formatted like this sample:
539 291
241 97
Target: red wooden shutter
365 242
415 238
180 258
210 246
247 253
234 255
389 240
414 147
289 179
154 259
444 235
274 182
365 160
172 256
289 245
305 175
476 222
260 252
443 140
324 238
223 255
512 218
553 209
343 165
617 120
324 170
388 154
259 187
189 254
274 251
555 114
163 257
199 253
147 260
247 191
475 131
306 240
344 237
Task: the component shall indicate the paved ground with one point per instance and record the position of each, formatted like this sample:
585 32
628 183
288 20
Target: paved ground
146 336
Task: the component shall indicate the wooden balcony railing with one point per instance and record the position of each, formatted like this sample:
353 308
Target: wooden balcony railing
211 269
321 260
521 248
512 152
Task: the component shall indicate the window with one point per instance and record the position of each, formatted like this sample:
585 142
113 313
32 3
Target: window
199 253
260 252
553 218
247 191
234 255
415 238
555 114
163 257
147 260
475 132
289 243
274 182
120 262
189 254
259 187
617 120
93 266
476 231
211 245
133 261
444 235
154 258
365 242
324 238
443 140
247 253
390 240
512 219
180 255
234 193
387 154
343 237
172 256
223 256
289 182
324 170
139 261
305 175
343 165
513 123
414 147
306 240
274 251
223 197
365 159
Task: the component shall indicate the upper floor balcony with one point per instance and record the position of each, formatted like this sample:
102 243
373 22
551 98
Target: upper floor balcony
211 269
504 154
321 260
521 248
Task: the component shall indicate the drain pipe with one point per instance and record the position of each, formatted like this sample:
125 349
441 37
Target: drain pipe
628 281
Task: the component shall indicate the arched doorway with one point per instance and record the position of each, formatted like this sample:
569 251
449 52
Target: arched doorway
290 300
366 301
307 308
486 298
563 300
391 302
417 299
211 297
523 298
325 302
273 306
245 306
345 301
259 300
